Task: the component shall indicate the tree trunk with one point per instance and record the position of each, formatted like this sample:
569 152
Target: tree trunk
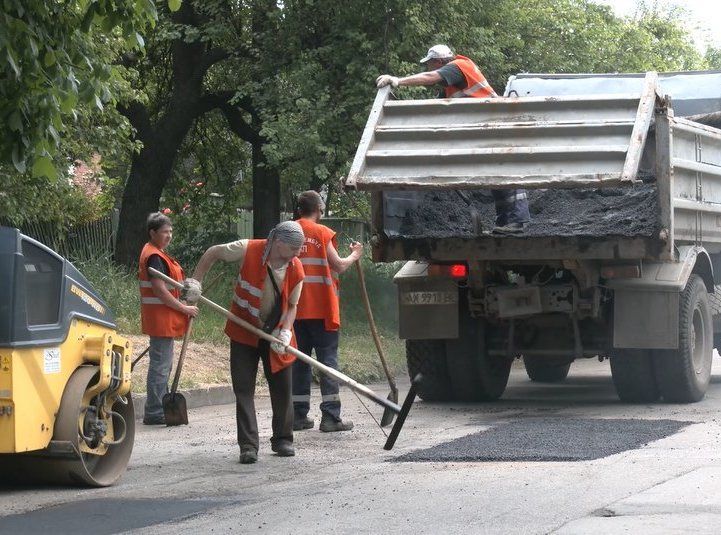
266 194
149 172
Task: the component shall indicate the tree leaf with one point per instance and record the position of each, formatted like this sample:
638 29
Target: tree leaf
15 121
18 161
43 166
174 5
14 66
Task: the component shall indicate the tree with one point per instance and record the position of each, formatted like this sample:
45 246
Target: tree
51 61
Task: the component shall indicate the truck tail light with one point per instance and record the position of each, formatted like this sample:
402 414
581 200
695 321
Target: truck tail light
454 271
621 272
459 271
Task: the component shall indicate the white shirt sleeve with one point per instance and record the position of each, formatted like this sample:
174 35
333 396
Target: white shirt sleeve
233 251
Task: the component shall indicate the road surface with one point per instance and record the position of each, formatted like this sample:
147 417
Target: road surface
565 459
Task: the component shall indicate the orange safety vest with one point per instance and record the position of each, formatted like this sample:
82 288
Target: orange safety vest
159 319
476 84
319 299
246 301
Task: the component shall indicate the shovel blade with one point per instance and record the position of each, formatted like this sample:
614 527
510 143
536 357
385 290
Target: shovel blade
175 409
388 415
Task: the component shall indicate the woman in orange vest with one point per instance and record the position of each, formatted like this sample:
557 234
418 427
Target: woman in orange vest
318 319
163 316
460 77
267 290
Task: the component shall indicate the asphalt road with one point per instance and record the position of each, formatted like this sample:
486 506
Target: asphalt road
626 469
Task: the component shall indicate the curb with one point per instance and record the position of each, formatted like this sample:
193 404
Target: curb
199 397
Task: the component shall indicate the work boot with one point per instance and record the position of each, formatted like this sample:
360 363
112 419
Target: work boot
301 424
248 456
509 229
154 420
328 424
283 448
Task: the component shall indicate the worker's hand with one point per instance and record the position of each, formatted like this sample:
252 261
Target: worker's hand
190 310
284 335
192 289
386 79
356 249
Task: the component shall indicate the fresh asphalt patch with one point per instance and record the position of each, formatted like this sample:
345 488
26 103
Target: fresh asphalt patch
102 516
549 439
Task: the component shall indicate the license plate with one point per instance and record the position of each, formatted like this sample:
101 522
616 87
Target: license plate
429 298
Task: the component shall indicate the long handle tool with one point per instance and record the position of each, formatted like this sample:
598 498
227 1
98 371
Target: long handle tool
387 417
363 390
175 407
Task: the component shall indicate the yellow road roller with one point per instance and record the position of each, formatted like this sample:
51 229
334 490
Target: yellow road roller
66 415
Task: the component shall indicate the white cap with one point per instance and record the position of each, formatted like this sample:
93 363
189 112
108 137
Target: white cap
438 52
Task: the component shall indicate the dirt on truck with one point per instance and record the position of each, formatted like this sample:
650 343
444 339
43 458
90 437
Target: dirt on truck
621 259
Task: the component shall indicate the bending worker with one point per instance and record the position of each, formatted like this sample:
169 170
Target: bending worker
163 316
460 78
267 290
318 319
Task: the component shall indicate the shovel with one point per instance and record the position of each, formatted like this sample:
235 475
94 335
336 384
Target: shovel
174 406
343 379
387 418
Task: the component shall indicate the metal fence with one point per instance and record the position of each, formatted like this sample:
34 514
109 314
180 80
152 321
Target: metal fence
79 242
97 238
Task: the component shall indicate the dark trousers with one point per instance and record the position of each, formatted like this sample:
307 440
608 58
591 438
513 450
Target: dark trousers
310 335
243 371
511 206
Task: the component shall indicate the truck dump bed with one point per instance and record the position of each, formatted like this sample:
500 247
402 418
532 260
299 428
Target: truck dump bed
598 167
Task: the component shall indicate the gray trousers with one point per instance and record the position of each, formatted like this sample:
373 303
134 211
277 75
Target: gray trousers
161 362
243 371
310 335
511 206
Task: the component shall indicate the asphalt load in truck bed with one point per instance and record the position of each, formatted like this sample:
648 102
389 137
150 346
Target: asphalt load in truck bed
628 212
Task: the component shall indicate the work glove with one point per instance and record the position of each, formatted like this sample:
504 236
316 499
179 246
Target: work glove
284 335
192 289
386 79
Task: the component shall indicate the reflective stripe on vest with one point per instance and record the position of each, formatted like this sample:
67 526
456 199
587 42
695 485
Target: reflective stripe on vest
148 284
242 303
252 290
314 261
476 84
470 90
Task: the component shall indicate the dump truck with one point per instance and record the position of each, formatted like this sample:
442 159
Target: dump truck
66 414
621 260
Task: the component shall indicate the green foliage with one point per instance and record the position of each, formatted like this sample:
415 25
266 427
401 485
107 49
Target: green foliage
52 61
118 287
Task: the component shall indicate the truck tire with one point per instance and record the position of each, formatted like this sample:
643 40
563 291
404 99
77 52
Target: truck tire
633 376
475 375
540 370
714 300
428 357
683 374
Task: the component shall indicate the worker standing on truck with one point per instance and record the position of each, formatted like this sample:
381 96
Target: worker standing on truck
318 319
164 317
462 78
267 291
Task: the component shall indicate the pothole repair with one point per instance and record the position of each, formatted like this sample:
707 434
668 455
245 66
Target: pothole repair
551 439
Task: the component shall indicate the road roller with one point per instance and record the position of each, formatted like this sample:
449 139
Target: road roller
66 414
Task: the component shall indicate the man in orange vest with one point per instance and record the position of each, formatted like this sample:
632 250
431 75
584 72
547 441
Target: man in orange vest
267 290
164 317
318 319
460 78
